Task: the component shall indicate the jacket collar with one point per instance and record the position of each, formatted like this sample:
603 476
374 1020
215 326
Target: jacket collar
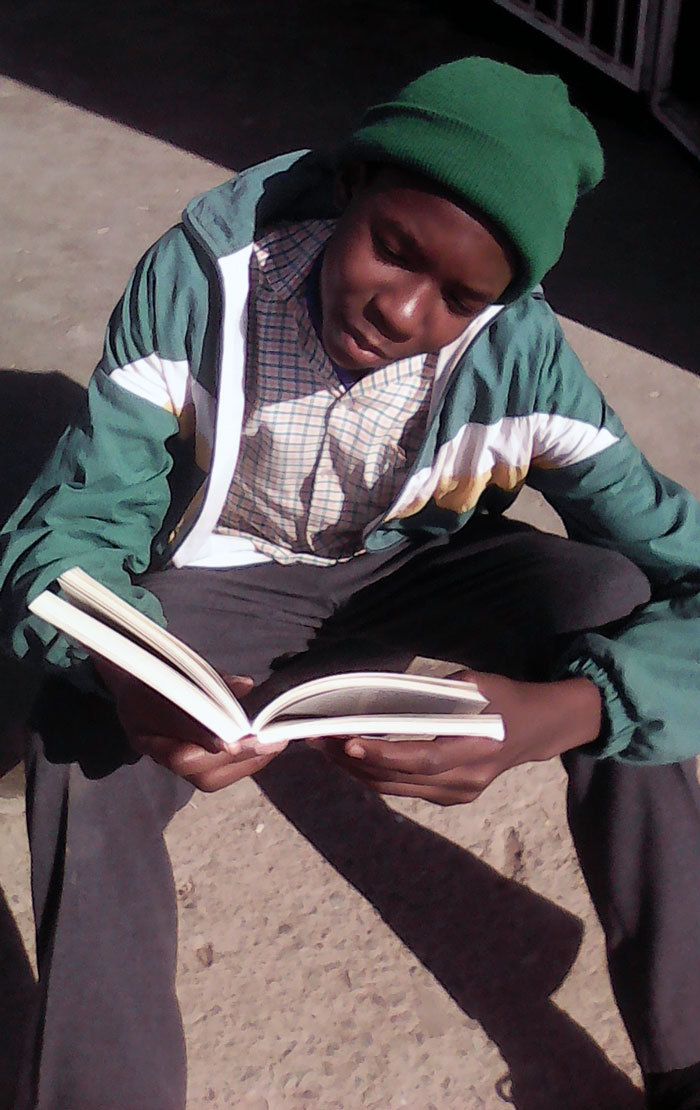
296 187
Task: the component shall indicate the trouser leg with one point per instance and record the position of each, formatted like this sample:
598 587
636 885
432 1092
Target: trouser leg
108 1030
637 834
501 597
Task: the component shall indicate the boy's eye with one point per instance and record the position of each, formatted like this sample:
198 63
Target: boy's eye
459 307
385 250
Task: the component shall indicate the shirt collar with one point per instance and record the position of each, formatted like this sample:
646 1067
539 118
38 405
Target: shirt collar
286 254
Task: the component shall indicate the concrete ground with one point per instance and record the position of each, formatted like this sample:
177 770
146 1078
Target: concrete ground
336 951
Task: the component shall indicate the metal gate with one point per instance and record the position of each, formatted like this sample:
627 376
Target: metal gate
617 36
637 43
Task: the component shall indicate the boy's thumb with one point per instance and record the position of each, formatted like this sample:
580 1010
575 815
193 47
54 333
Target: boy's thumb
239 684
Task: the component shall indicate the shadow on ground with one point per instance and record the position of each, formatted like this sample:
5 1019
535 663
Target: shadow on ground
37 409
497 948
240 82
17 996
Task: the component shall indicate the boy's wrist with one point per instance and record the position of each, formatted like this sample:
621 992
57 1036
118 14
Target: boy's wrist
578 707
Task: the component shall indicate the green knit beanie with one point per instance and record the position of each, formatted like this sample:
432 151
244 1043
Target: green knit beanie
506 143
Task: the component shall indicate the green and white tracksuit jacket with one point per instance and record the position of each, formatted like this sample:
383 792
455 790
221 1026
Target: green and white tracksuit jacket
141 479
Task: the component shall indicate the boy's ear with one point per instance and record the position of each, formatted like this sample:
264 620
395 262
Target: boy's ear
350 179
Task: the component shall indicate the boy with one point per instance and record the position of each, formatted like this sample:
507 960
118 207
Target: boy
316 398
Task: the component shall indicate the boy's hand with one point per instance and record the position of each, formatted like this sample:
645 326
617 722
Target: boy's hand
157 728
542 720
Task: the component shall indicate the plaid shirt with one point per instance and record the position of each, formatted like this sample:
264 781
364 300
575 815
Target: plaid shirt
318 462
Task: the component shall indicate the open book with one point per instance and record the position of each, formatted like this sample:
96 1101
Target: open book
363 702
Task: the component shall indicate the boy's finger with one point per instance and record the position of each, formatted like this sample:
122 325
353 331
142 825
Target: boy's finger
145 737
439 795
192 762
246 747
239 684
179 756
216 778
419 757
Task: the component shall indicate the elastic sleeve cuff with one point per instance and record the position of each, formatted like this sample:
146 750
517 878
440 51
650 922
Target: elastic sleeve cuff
617 731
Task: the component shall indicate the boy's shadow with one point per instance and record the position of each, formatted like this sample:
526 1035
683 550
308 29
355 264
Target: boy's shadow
497 948
17 995
36 409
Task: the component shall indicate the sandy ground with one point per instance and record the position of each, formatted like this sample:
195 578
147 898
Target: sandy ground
336 951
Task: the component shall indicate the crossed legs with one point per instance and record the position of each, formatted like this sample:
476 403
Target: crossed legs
504 598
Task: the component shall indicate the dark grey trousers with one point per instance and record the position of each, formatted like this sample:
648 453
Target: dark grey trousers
504 598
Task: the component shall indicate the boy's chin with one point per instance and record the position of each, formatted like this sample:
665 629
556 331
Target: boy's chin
346 352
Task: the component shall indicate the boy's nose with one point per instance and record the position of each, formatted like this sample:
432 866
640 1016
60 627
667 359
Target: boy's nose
397 310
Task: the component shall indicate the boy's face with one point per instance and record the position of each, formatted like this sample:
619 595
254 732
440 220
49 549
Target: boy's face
404 272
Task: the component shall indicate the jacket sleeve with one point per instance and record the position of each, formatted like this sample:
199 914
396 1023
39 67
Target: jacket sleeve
103 495
648 666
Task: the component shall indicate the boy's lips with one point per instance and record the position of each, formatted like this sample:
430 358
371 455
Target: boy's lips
349 347
361 344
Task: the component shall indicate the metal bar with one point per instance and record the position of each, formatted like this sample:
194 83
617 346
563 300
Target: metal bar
619 28
589 23
647 41
666 45
560 13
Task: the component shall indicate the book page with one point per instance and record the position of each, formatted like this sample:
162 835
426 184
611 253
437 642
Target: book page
92 597
373 692
142 664
336 703
384 727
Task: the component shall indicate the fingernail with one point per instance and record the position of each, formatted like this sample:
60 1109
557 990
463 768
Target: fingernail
354 749
235 747
230 748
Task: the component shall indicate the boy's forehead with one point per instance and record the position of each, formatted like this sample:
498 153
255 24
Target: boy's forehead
400 184
380 178
394 176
